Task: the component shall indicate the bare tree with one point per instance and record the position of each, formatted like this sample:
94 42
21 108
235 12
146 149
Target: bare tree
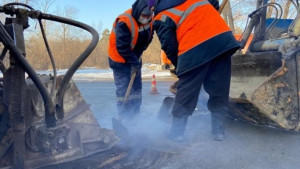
270 10
64 35
44 6
286 9
228 16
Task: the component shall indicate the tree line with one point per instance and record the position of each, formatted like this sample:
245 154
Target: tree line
67 42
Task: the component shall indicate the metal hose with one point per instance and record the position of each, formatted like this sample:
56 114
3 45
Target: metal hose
52 94
78 61
48 104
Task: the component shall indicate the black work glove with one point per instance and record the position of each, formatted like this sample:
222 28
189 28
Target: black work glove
135 69
167 66
173 71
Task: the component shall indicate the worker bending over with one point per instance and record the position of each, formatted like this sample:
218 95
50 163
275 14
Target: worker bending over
200 45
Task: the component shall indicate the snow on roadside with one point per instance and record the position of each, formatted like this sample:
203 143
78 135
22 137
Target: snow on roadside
94 74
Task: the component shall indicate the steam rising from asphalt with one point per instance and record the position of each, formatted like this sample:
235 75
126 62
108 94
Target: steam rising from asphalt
147 131
147 135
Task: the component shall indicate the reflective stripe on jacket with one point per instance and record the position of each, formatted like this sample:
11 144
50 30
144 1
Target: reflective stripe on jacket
194 26
134 28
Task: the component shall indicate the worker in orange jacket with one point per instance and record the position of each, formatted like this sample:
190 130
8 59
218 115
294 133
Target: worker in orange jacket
200 45
130 36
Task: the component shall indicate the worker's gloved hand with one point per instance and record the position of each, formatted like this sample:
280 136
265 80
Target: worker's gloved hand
166 66
173 87
173 72
135 69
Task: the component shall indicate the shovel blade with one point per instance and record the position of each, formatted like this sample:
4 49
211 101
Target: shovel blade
120 130
164 113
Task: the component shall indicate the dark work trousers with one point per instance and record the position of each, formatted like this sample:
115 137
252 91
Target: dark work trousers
122 78
215 77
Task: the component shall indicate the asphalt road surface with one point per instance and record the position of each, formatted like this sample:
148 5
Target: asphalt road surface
245 147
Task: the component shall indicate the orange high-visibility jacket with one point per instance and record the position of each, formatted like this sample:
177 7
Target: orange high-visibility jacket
201 33
134 28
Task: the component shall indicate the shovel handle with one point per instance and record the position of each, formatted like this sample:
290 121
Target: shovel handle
121 130
222 6
128 91
129 88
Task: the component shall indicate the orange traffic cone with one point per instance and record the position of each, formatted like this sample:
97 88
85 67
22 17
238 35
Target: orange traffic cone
153 85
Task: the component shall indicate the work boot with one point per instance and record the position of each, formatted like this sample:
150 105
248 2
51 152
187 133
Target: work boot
217 128
177 130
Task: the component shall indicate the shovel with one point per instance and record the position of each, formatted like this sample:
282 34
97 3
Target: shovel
164 113
119 128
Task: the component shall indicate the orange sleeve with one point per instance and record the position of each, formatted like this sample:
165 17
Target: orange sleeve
164 58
